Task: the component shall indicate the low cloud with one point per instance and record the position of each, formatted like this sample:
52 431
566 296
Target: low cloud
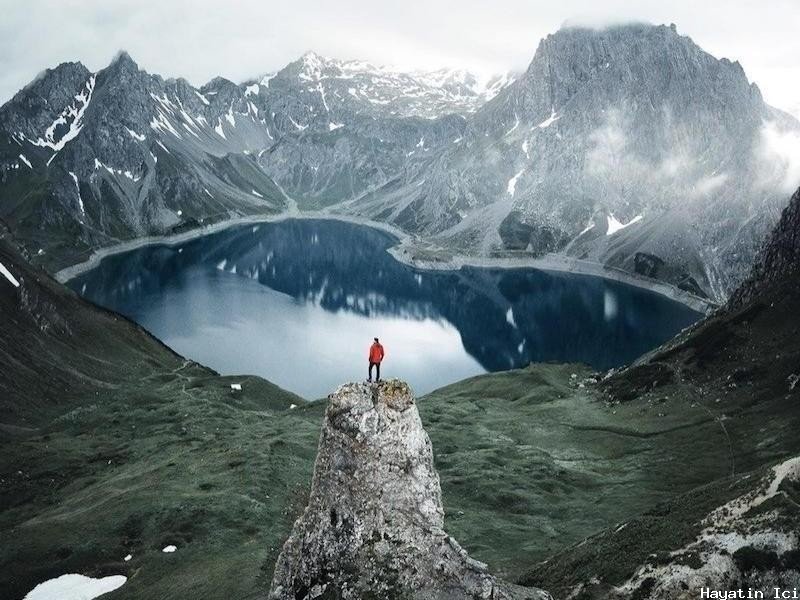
778 157
609 146
707 185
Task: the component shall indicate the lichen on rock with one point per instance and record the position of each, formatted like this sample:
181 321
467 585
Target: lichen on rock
374 524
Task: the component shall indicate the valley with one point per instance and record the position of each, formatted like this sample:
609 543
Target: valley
127 447
587 270
268 297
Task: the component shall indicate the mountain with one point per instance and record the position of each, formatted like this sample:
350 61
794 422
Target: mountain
379 90
629 146
343 128
90 159
102 157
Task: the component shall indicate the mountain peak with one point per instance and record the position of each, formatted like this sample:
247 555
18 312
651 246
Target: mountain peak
122 60
374 520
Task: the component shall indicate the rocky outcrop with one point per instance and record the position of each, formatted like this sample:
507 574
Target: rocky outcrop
779 260
374 524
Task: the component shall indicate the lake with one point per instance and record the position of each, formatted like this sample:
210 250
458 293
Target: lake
299 301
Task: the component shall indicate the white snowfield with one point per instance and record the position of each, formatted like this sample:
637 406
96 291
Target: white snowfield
614 225
11 279
75 587
169 549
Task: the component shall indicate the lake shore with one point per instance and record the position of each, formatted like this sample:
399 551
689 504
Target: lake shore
405 252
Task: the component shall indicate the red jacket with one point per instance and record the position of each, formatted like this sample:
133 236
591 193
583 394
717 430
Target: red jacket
376 353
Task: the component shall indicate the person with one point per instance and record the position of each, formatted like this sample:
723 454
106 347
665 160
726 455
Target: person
376 354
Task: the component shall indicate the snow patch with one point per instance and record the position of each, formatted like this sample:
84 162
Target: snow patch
255 193
510 317
334 126
230 118
516 124
75 111
26 161
549 120
321 91
78 187
75 587
169 549
252 90
134 135
614 225
297 125
11 279
237 387
203 99
219 130
512 183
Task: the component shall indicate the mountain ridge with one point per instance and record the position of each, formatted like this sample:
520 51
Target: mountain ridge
631 125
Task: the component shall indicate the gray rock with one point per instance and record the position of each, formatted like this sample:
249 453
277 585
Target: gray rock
373 527
778 262
606 126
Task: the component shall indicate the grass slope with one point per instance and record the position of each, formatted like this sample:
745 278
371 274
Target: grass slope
111 444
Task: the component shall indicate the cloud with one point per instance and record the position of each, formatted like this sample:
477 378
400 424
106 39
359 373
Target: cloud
609 147
778 157
199 39
707 185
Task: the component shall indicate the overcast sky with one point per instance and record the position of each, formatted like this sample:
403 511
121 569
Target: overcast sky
238 39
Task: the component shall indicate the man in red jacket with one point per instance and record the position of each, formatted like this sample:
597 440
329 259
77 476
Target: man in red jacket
375 357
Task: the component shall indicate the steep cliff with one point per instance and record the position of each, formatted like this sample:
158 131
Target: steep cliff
778 263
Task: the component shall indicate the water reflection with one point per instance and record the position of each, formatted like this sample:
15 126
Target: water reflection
299 301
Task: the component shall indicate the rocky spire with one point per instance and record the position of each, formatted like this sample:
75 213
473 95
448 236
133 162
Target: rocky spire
374 522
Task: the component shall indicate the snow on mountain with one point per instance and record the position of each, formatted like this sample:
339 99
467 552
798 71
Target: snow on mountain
9 277
76 587
630 124
606 125
389 90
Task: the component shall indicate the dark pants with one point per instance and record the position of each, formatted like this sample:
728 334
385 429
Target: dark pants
377 366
